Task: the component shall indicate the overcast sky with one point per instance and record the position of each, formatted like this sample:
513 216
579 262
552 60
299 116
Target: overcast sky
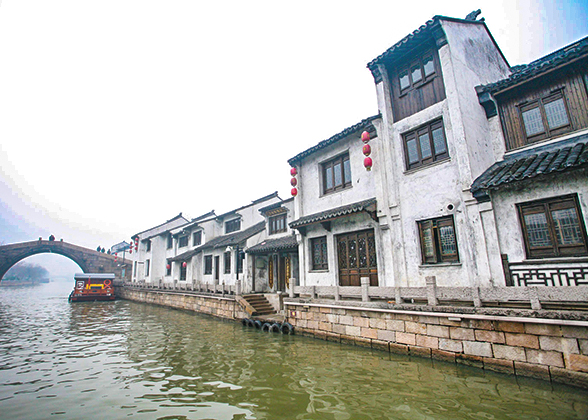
116 115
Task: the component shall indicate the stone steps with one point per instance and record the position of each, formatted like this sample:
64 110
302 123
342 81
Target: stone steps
260 303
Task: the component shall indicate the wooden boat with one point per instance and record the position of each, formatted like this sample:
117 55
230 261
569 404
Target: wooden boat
92 286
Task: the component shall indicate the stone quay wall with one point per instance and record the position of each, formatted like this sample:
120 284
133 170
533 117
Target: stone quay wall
218 306
549 349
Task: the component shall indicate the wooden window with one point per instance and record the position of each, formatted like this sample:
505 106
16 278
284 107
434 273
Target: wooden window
183 241
356 255
318 253
545 117
147 246
168 268
147 268
183 271
438 240
277 224
208 264
425 145
227 262
553 228
170 241
232 225
419 72
197 238
336 174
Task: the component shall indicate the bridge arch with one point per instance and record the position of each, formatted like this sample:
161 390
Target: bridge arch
90 261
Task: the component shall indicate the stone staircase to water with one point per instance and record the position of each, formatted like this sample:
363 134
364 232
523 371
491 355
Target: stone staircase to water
260 304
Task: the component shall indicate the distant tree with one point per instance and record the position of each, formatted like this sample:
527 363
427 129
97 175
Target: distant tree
103 250
51 238
26 272
99 248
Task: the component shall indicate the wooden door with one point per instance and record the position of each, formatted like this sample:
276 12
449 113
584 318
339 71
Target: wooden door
356 255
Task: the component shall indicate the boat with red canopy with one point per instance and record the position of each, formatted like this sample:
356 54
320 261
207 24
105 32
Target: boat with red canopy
92 286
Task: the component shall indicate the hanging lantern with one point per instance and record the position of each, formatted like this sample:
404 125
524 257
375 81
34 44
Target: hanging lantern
130 250
168 266
293 171
367 162
294 192
293 182
365 136
184 264
115 256
367 149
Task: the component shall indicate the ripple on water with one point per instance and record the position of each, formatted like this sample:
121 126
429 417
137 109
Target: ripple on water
123 359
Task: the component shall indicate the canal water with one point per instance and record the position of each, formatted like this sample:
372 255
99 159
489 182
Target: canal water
114 360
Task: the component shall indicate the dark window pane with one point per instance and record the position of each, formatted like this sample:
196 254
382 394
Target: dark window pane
428 244
347 171
439 141
447 240
537 230
413 154
338 174
533 122
428 66
362 252
425 145
556 114
329 178
404 81
352 246
416 74
567 227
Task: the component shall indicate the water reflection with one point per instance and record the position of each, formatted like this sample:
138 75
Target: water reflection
120 359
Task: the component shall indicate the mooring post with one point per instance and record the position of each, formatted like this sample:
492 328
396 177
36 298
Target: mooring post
476 297
431 282
365 284
337 294
291 288
313 292
534 298
397 296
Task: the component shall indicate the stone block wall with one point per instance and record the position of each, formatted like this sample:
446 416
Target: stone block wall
545 349
221 307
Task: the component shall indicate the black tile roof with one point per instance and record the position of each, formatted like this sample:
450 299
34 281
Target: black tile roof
259 200
555 157
231 239
272 245
179 216
333 213
363 124
542 65
416 38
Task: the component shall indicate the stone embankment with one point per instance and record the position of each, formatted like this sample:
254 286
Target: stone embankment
225 307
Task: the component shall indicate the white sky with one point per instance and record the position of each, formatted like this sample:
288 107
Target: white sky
116 115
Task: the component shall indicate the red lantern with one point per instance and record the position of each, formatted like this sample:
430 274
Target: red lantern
367 149
184 264
367 162
365 136
293 171
168 266
131 250
294 192
293 182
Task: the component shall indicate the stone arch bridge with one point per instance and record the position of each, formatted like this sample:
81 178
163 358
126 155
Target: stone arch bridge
90 261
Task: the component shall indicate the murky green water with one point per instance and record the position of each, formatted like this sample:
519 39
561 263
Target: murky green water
120 359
